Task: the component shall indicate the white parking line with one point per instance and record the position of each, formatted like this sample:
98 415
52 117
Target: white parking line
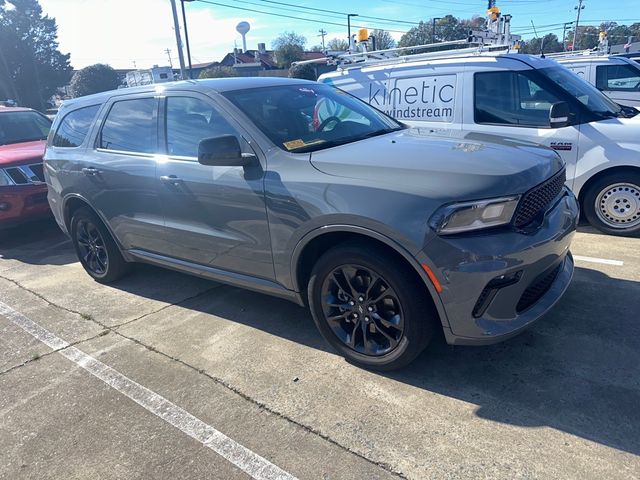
248 461
604 261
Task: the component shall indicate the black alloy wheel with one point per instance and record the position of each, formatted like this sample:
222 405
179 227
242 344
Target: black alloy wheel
97 251
362 310
371 306
93 251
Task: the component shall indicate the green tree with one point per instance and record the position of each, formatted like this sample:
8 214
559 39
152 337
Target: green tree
384 40
419 35
549 44
219 71
94 79
338 45
447 28
31 66
288 48
305 71
587 38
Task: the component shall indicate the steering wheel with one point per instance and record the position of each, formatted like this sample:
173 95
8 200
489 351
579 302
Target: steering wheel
326 122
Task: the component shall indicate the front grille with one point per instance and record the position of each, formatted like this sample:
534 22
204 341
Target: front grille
537 289
537 199
38 171
26 174
17 175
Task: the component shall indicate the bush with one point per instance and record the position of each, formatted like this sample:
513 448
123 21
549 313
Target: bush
219 72
305 71
93 79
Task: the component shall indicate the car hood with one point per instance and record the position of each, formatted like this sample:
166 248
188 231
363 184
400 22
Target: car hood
21 153
470 167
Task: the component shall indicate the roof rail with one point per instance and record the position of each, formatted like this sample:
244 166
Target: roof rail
579 53
346 60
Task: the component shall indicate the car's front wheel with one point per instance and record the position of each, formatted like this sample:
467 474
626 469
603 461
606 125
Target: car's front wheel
370 306
96 249
612 204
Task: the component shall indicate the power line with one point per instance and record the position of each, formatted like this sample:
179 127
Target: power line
281 15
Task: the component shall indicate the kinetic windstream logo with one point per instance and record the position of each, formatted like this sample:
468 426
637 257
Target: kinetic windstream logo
423 98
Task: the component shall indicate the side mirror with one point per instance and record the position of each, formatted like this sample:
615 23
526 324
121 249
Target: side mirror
222 151
559 115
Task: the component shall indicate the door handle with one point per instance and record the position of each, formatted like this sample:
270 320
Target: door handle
171 179
90 171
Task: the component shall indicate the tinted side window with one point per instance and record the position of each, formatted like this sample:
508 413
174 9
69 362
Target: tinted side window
190 120
74 127
511 98
623 78
131 126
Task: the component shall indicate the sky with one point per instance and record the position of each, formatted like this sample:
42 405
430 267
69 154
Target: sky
128 33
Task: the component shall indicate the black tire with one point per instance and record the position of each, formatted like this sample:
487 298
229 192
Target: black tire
610 194
96 249
366 264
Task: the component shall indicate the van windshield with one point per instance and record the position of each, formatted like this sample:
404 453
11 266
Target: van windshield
587 94
308 117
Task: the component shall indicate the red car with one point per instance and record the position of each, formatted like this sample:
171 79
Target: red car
23 191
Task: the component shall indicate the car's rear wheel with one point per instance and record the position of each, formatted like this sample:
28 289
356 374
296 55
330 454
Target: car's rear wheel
96 249
370 306
612 204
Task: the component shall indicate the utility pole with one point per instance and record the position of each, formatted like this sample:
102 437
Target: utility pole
564 35
349 15
186 35
168 52
433 29
323 33
176 27
579 8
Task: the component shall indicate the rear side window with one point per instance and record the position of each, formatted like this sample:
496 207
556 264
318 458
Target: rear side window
131 126
623 78
74 127
511 98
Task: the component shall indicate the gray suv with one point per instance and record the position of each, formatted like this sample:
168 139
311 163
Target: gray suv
298 190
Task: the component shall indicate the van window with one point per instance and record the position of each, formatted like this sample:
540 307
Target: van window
131 126
190 120
74 127
624 78
511 98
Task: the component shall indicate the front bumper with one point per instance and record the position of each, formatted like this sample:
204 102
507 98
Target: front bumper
481 308
23 203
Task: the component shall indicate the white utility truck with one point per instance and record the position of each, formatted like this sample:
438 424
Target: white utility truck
489 90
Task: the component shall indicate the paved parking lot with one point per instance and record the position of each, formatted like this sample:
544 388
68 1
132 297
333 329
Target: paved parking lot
163 375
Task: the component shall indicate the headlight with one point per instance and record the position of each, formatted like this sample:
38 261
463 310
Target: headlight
5 179
468 216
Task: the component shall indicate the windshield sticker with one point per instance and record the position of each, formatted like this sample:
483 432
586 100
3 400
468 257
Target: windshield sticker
295 144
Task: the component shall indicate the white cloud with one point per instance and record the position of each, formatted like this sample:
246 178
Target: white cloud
119 32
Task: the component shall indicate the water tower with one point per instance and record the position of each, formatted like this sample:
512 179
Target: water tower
243 28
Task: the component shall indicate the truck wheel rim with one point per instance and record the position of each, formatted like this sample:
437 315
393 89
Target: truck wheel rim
362 310
93 251
618 205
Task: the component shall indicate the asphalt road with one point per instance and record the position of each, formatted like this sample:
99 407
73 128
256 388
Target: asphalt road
163 375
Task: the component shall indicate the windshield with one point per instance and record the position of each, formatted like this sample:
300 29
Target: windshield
309 117
587 94
18 127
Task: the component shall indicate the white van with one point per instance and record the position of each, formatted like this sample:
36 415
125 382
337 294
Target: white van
520 97
617 77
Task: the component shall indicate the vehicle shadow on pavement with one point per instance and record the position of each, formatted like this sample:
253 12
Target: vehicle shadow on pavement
37 243
576 370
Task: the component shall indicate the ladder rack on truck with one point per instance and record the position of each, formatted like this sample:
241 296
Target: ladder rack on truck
345 61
